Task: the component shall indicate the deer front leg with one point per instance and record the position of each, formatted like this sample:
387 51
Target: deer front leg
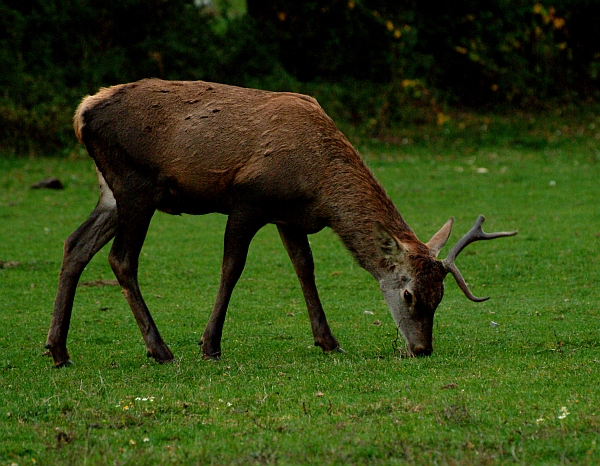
239 232
134 220
79 249
298 248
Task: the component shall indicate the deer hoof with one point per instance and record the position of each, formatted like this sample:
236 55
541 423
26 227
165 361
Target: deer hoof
61 364
161 355
212 357
210 354
328 345
59 355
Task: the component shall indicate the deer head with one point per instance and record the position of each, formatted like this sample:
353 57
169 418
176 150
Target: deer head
413 286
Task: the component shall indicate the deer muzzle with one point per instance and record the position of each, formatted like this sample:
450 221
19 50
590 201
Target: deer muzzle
419 350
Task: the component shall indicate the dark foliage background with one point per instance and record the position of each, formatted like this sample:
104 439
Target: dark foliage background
373 62
500 50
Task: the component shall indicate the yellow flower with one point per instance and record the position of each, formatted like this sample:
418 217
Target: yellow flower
410 83
442 119
389 25
558 23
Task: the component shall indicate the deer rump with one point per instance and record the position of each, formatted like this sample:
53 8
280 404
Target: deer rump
259 157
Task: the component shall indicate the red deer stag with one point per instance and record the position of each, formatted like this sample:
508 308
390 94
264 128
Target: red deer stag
258 157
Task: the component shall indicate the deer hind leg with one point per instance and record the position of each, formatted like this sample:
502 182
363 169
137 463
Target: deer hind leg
79 249
298 248
136 208
239 232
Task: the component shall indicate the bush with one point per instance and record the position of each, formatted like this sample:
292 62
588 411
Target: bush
473 52
52 53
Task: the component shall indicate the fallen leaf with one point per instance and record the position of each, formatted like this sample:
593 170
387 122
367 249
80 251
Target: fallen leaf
449 386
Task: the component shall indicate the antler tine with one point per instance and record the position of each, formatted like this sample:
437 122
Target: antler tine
474 234
462 284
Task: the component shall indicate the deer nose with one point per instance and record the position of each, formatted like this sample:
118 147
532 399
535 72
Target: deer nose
422 350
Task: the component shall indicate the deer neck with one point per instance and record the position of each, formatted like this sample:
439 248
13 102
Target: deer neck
357 206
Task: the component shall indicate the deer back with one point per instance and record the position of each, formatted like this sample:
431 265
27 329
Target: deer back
208 146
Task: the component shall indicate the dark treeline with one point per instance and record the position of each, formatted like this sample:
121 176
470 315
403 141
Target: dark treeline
370 60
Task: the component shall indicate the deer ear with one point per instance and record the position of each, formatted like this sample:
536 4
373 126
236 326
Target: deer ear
389 246
438 241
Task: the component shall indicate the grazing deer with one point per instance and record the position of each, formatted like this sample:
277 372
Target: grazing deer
258 157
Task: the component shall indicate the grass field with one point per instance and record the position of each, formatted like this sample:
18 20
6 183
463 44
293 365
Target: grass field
523 391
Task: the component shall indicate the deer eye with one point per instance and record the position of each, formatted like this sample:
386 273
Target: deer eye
408 297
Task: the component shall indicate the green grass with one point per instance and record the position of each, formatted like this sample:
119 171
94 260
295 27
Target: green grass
488 395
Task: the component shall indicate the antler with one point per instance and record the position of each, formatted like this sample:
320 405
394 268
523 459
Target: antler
474 234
